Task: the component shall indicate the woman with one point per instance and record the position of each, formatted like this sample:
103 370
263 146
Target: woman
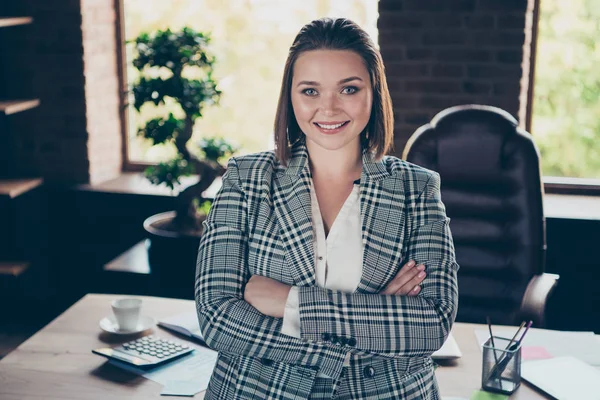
299 284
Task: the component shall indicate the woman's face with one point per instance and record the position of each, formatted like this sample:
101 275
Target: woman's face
332 98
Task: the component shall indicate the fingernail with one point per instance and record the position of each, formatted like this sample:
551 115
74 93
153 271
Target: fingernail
421 274
411 263
415 289
421 267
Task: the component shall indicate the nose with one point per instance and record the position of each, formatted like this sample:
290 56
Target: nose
330 104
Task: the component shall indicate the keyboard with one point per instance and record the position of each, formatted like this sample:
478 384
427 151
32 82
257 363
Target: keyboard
146 352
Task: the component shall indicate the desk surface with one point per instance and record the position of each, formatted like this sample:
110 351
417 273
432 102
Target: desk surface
57 363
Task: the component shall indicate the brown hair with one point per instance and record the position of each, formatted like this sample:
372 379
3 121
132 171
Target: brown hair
336 34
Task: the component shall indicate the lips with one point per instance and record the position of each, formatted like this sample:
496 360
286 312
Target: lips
331 127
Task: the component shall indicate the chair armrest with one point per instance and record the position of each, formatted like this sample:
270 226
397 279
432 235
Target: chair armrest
538 290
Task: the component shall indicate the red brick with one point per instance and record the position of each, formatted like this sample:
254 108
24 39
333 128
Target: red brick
448 70
513 21
432 86
419 54
510 56
484 21
466 55
477 87
444 37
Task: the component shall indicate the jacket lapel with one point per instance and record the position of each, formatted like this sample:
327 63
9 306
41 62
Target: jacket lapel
382 215
383 221
292 205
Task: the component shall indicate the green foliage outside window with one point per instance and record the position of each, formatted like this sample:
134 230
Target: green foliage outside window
566 108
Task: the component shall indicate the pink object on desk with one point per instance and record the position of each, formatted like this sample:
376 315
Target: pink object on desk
535 353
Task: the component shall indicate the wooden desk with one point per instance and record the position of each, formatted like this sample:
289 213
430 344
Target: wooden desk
57 363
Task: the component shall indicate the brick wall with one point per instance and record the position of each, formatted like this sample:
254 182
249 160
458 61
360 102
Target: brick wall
444 53
74 136
104 149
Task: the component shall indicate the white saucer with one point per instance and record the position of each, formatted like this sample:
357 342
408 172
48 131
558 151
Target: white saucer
109 324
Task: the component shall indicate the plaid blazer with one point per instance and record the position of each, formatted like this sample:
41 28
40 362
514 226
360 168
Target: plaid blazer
260 224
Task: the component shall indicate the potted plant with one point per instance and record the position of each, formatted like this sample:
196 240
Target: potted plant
178 66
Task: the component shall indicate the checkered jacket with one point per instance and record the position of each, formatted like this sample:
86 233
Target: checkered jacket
260 224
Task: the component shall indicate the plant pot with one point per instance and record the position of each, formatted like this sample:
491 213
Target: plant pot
172 256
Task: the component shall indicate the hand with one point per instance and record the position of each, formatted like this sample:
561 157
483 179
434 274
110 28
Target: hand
267 295
407 280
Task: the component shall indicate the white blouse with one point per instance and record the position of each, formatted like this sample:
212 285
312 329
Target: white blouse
338 257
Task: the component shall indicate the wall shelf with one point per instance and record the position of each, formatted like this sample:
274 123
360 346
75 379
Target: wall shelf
13 268
16 187
8 107
14 21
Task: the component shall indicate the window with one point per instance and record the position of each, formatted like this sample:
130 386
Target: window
250 39
566 102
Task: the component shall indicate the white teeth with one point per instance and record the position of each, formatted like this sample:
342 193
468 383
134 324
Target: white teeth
330 126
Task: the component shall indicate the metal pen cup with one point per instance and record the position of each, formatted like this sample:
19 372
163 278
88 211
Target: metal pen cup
501 368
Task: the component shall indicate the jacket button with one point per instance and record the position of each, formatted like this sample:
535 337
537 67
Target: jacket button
325 336
369 372
334 339
343 341
352 342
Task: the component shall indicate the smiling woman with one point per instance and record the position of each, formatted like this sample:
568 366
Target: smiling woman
326 269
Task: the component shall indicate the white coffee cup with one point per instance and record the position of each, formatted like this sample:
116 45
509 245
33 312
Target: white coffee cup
127 313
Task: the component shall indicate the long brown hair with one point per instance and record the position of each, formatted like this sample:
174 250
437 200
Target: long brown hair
336 34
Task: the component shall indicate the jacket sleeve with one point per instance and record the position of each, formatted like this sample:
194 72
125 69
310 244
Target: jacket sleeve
228 323
389 325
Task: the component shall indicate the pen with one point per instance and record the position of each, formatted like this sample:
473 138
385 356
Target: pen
515 336
489 324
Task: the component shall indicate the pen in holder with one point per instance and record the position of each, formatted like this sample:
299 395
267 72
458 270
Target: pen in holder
501 369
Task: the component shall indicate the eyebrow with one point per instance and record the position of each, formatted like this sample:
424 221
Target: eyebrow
345 80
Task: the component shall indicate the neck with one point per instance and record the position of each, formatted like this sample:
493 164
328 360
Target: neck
339 164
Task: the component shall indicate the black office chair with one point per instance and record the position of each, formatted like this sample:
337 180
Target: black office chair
492 190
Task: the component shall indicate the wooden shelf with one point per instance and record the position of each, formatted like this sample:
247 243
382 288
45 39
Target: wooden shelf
13 21
8 107
13 268
15 187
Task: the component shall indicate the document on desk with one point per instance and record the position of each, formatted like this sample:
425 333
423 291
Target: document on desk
583 345
197 367
564 378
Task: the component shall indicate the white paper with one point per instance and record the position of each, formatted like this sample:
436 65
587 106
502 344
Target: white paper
188 320
583 345
181 388
564 378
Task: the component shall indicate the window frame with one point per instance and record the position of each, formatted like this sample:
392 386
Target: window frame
128 165
552 184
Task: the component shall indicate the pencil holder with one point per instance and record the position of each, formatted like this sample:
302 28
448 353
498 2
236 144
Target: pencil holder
501 369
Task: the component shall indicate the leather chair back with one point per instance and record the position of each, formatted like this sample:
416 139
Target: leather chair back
492 189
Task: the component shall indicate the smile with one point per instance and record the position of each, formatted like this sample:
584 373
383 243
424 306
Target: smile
331 127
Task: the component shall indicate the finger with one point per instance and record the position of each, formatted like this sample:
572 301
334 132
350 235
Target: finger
400 281
406 268
408 282
411 284
415 291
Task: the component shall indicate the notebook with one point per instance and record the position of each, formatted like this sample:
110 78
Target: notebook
564 378
185 324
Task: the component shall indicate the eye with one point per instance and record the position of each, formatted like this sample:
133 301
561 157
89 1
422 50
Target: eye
350 90
310 92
